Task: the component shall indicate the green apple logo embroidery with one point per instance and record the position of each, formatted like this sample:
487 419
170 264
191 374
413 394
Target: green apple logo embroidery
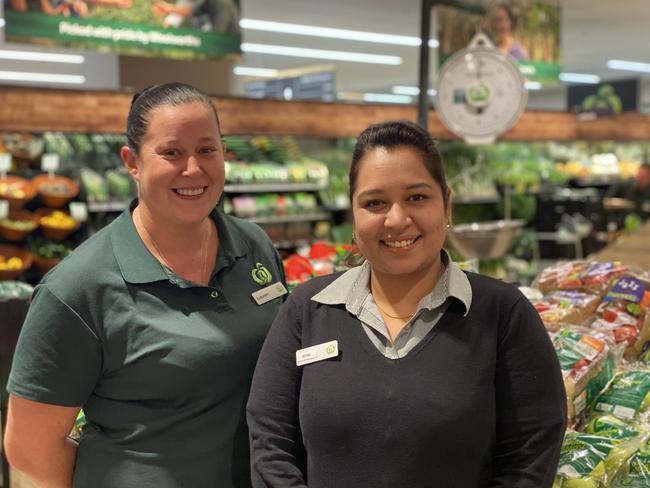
261 275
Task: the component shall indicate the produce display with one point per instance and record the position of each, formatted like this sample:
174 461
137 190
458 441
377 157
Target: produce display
18 224
58 220
15 290
596 315
10 263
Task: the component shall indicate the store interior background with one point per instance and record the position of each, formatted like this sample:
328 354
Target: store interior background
591 33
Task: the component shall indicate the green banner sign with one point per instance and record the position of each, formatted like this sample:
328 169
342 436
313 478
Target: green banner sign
144 39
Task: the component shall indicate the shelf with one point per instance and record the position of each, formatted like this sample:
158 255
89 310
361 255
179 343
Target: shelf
292 244
274 187
284 219
475 200
112 206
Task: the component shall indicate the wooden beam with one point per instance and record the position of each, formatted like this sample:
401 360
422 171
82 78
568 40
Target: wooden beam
37 110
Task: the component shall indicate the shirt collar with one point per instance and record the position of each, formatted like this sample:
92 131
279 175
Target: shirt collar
137 265
351 288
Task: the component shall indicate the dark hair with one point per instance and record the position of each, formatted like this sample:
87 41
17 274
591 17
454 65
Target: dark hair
153 97
511 15
399 133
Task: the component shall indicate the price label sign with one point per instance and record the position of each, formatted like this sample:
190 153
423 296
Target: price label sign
79 211
5 162
4 209
50 163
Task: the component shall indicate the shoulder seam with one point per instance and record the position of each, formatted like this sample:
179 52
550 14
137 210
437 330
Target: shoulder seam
76 314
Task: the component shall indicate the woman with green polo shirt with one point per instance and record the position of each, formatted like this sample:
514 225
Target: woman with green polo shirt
152 326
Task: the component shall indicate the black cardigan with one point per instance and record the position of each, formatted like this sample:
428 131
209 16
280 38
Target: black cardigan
478 403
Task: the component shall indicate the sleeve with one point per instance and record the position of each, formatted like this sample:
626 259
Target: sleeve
531 403
275 438
58 358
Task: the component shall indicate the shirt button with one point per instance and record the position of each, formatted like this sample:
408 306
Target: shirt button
214 294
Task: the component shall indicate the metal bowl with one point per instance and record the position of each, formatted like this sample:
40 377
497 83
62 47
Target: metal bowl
484 240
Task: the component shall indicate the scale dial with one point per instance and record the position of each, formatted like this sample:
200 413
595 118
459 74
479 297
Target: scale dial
480 92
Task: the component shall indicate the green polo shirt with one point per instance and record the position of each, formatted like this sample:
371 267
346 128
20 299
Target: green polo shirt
160 365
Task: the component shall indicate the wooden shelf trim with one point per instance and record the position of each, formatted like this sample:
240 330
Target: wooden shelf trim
36 110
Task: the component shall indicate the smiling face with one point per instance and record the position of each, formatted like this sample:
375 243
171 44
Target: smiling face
180 166
399 212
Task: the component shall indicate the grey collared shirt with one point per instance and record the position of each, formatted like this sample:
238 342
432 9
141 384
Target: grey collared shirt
352 290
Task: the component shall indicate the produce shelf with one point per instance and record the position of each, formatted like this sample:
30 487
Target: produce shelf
475 200
289 218
275 187
112 206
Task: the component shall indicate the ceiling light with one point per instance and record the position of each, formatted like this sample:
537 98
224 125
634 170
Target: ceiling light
628 65
41 56
300 52
2 22
262 72
579 78
41 77
533 85
386 98
410 90
315 31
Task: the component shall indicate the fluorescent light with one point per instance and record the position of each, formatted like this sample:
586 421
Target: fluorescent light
41 77
263 72
315 31
41 56
386 98
2 22
300 52
579 78
410 90
533 85
628 65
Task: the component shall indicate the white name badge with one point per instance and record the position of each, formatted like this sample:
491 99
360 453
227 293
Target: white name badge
318 352
269 293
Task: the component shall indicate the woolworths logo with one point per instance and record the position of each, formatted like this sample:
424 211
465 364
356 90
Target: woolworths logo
261 275
330 349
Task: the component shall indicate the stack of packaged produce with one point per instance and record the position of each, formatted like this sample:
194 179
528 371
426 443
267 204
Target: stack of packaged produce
597 317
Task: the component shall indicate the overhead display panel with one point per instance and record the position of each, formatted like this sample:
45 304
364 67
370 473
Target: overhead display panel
181 29
526 30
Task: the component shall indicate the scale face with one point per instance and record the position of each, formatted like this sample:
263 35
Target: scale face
480 92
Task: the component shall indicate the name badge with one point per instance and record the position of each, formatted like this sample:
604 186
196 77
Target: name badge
318 352
269 293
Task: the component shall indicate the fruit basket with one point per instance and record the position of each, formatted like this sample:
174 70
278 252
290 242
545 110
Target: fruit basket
14 261
17 191
55 191
18 225
56 224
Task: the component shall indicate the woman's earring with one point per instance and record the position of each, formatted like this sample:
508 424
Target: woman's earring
353 236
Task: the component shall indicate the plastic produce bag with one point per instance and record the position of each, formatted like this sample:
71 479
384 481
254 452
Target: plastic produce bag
593 277
636 472
623 311
586 367
627 396
592 461
566 307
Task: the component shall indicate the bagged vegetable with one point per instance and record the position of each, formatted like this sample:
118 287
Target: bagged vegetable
627 396
592 461
586 367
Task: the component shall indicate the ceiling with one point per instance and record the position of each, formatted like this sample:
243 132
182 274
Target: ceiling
592 31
